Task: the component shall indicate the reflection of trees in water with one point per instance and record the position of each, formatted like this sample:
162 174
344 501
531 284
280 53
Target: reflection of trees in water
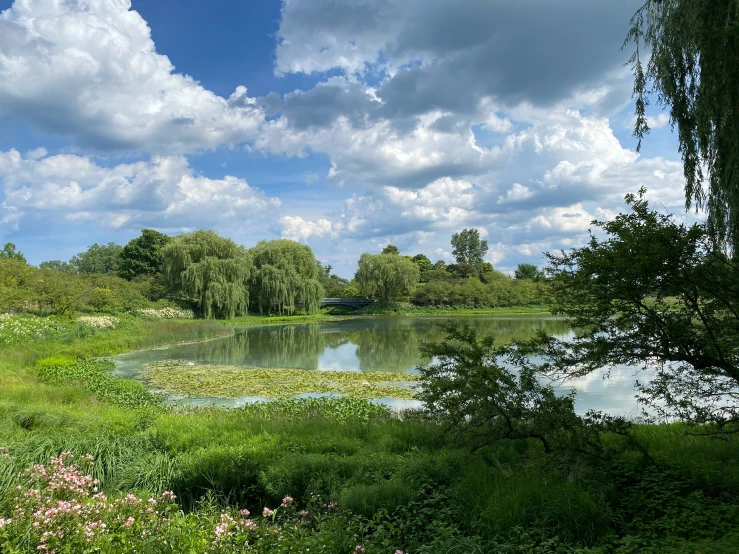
293 346
392 344
383 344
387 346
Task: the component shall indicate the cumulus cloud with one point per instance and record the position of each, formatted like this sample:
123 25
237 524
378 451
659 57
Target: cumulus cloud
89 70
163 190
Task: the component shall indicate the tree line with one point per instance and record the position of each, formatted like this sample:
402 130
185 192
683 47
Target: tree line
219 278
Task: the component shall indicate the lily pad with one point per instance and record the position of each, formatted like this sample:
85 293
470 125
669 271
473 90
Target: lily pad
221 381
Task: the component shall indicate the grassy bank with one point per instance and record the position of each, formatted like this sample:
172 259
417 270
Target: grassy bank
334 474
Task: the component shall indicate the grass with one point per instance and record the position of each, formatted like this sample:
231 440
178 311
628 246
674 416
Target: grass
219 381
399 483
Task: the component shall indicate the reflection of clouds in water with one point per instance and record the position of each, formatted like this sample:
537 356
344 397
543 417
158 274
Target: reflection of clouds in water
341 358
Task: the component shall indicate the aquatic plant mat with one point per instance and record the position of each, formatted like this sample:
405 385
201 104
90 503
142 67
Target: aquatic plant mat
221 381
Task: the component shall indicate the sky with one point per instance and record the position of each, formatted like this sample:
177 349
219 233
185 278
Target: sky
344 124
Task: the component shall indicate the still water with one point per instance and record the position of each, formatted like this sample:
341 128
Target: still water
372 344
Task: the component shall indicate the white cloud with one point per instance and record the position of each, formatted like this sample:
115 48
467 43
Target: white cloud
163 189
658 121
515 193
297 228
571 219
89 70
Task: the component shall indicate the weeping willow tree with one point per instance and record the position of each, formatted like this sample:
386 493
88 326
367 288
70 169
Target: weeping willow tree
694 70
211 270
286 276
386 275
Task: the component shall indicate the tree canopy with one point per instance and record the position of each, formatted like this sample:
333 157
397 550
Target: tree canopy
101 259
468 248
211 270
693 69
142 256
286 275
390 249
529 271
386 275
653 294
10 252
58 265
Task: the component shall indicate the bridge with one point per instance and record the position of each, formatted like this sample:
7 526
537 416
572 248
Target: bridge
348 302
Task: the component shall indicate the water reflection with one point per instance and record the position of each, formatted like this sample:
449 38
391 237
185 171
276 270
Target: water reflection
370 345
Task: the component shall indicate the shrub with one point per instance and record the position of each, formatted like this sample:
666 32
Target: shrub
99 322
166 313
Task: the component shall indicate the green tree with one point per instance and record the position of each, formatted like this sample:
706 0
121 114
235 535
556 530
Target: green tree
100 259
286 276
209 269
693 69
530 272
481 394
391 249
439 264
386 276
423 263
61 292
142 256
468 248
17 283
58 265
653 294
10 252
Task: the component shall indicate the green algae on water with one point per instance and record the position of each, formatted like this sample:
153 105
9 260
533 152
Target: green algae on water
222 381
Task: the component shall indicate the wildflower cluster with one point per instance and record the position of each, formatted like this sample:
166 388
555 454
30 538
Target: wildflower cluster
16 329
99 321
62 509
166 313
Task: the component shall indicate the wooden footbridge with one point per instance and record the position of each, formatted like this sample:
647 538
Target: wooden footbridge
348 302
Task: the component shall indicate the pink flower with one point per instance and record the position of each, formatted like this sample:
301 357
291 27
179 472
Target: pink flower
267 512
244 512
398 552
359 549
287 501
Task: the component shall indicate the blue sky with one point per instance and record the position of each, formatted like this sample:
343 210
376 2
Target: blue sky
344 124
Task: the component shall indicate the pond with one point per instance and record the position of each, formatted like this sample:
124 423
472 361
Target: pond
368 345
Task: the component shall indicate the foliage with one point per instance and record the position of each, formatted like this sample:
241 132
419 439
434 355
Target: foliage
653 294
391 249
423 263
472 391
99 322
386 275
693 68
468 248
58 265
166 313
530 272
142 256
61 292
286 276
17 284
100 259
10 252
20 329
473 293
219 381
211 270
95 377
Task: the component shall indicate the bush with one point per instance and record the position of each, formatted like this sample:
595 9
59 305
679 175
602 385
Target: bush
166 313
